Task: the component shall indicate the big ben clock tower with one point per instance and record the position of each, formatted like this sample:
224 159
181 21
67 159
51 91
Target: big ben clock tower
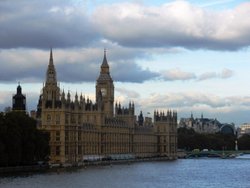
104 84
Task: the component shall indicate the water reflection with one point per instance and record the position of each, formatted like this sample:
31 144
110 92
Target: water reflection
181 174
243 156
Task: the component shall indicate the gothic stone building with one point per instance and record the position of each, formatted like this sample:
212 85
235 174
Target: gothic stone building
82 130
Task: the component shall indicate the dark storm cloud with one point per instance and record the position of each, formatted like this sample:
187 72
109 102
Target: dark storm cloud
82 65
131 72
66 24
86 66
42 24
120 72
77 72
15 73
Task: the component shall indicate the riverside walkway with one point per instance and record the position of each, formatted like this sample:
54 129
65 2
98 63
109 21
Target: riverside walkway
219 154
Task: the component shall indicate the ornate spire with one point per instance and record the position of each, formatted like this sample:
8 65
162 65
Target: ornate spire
81 98
105 62
51 72
51 57
104 74
63 95
76 97
19 89
68 96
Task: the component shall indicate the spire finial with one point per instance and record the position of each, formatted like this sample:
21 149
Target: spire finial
105 62
51 56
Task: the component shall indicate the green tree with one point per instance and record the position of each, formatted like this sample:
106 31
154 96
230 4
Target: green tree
20 141
244 142
188 139
3 132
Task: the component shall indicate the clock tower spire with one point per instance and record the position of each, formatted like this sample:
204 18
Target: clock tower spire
104 84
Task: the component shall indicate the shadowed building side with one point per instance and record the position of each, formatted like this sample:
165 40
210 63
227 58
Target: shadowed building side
19 100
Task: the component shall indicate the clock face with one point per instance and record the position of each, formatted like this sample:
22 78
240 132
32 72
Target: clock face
104 91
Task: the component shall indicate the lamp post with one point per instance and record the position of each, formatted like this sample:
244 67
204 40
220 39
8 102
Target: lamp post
236 145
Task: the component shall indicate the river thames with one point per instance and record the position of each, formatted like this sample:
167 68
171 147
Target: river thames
182 173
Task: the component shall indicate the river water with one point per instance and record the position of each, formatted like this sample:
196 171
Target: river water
182 173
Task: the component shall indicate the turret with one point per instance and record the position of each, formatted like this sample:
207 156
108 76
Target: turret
19 100
63 95
68 97
76 98
140 119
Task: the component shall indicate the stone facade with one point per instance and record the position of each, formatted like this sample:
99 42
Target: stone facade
82 130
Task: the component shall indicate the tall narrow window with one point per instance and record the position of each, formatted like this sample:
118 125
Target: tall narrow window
66 136
79 136
79 149
57 150
57 119
48 118
66 150
57 136
67 119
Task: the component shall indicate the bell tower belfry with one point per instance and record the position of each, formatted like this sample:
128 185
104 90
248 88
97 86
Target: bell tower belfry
105 86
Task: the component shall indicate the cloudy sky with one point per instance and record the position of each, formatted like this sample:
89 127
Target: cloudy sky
191 56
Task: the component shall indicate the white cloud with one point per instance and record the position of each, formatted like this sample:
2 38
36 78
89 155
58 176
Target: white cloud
187 99
224 74
207 75
177 74
130 94
178 23
229 108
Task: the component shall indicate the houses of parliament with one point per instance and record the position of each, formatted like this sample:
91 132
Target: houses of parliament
84 130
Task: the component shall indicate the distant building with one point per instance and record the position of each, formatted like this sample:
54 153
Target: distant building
33 114
227 128
19 100
206 125
84 130
243 129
